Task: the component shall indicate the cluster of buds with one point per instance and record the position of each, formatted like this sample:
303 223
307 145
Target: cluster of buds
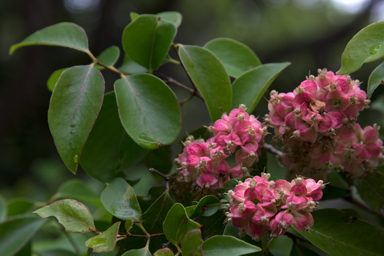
202 163
317 125
258 206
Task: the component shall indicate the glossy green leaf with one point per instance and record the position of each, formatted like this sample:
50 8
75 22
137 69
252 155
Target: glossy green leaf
3 209
227 246
128 225
172 17
18 206
177 224
209 76
191 244
212 225
109 150
236 57
26 250
109 56
64 34
75 103
104 242
119 199
133 15
371 190
15 233
139 252
207 206
148 110
131 67
78 190
366 46
53 79
342 233
160 160
164 252
300 250
153 194
156 213
375 79
251 86
147 39
281 246
73 215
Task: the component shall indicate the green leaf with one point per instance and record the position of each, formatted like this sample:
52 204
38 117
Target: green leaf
281 246
15 233
342 233
78 190
75 103
53 79
109 56
3 209
164 252
73 215
18 206
177 224
156 213
148 110
375 79
250 87
64 34
57 253
139 252
236 57
109 150
133 15
119 199
153 194
207 206
172 17
160 160
131 67
227 246
191 245
128 225
209 76
365 46
147 39
212 225
371 190
106 241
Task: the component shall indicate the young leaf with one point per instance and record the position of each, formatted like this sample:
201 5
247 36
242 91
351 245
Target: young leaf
131 67
78 190
207 206
191 245
250 87
335 231
227 246
53 79
15 233
236 57
74 106
138 252
366 46
109 56
172 17
109 150
119 199
64 34
106 241
73 215
148 110
375 79
209 76
177 224
371 190
3 209
147 39
164 252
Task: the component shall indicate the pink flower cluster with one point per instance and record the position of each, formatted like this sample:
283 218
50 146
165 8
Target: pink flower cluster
316 123
203 162
258 205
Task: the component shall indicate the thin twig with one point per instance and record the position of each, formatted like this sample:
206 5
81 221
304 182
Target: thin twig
271 149
165 176
170 80
111 68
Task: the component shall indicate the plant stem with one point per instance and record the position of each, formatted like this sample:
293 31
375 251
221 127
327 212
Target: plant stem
271 149
111 68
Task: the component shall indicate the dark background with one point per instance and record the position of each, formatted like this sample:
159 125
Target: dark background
310 33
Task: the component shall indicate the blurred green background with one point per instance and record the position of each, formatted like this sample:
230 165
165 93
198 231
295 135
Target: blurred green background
309 33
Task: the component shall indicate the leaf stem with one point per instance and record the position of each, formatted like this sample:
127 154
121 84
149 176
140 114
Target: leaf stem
111 68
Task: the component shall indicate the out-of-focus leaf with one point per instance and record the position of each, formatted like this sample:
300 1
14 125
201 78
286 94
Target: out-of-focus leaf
366 46
131 67
64 34
375 79
160 160
15 233
209 76
104 242
236 57
172 17
227 246
153 194
119 199
371 190
148 110
164 252
281 246
19 206
109 150
138 252
251 86
75 103
78 190
156 213
191 245
207 206
3 209
212 225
